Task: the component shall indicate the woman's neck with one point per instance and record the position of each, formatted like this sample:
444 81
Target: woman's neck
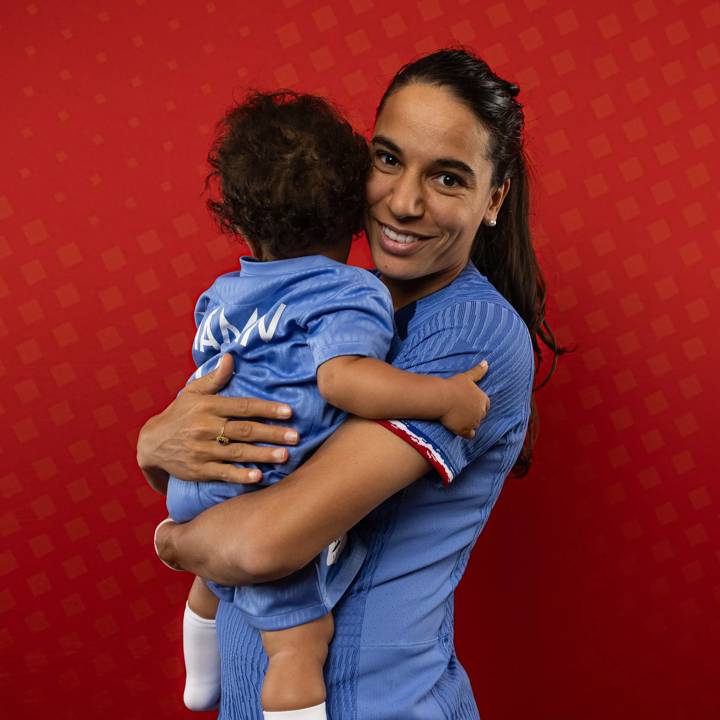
404 292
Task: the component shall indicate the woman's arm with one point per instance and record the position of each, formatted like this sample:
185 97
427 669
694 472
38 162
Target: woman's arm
262 536
181 439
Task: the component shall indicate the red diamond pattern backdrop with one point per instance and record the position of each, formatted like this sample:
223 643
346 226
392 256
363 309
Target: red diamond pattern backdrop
595 590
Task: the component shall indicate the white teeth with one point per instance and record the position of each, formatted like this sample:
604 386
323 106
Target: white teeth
398 237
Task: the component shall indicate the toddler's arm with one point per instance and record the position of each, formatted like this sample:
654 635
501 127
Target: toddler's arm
375 390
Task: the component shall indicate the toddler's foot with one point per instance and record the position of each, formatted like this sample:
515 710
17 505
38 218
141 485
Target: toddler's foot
202 662
317 712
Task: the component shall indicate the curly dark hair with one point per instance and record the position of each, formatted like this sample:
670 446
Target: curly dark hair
288 173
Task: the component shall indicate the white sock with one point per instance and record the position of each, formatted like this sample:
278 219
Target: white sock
316 712
202 662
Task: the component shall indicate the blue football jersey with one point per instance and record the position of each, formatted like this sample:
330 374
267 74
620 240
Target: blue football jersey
393 655
281 320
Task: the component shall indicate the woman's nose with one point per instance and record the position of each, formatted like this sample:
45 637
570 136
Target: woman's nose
406 198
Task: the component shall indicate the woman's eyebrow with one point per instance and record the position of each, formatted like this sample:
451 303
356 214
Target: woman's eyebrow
389 144
455 165
449 163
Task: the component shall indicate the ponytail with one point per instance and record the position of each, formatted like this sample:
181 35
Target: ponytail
504 253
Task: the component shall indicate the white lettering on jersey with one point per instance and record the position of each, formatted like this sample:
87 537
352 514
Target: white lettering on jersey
266 332
226 328
335 549
204 337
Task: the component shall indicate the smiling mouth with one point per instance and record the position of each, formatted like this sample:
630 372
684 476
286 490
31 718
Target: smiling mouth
398 237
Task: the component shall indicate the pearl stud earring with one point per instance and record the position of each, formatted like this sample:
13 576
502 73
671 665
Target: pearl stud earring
492 223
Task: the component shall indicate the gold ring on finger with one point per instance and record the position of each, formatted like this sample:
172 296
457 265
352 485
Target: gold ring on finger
221 437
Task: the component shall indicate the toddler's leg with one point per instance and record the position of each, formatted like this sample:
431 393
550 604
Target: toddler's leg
202 657
294 686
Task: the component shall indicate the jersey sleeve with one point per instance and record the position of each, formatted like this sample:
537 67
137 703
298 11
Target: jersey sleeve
454 341
356 320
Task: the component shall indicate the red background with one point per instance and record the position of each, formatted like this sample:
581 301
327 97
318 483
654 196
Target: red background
594 590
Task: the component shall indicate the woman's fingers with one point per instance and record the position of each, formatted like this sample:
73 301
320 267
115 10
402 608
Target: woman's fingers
219 459
214 381
228 473
243 453
240 407
242 431
181 440
478 372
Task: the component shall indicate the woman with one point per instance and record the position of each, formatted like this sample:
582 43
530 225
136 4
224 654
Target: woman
447 201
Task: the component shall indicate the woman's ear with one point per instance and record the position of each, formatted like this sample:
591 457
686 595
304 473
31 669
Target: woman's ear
496 200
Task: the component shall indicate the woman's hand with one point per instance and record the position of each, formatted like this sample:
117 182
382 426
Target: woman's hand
181 440
262 536
470 404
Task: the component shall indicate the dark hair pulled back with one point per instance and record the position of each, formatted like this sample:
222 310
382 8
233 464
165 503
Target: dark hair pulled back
504 253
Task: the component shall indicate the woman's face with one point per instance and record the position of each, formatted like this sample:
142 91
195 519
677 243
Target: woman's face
428 191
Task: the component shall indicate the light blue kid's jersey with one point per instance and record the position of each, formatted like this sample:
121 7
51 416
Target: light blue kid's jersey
392 656
281 320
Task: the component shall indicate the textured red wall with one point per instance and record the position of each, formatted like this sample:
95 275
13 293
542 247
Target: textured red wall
594 591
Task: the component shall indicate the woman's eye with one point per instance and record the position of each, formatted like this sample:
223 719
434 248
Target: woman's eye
449 180
386 158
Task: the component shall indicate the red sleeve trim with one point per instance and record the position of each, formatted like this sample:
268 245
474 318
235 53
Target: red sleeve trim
423 446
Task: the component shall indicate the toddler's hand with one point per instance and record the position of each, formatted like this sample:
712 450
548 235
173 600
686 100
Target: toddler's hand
469 404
